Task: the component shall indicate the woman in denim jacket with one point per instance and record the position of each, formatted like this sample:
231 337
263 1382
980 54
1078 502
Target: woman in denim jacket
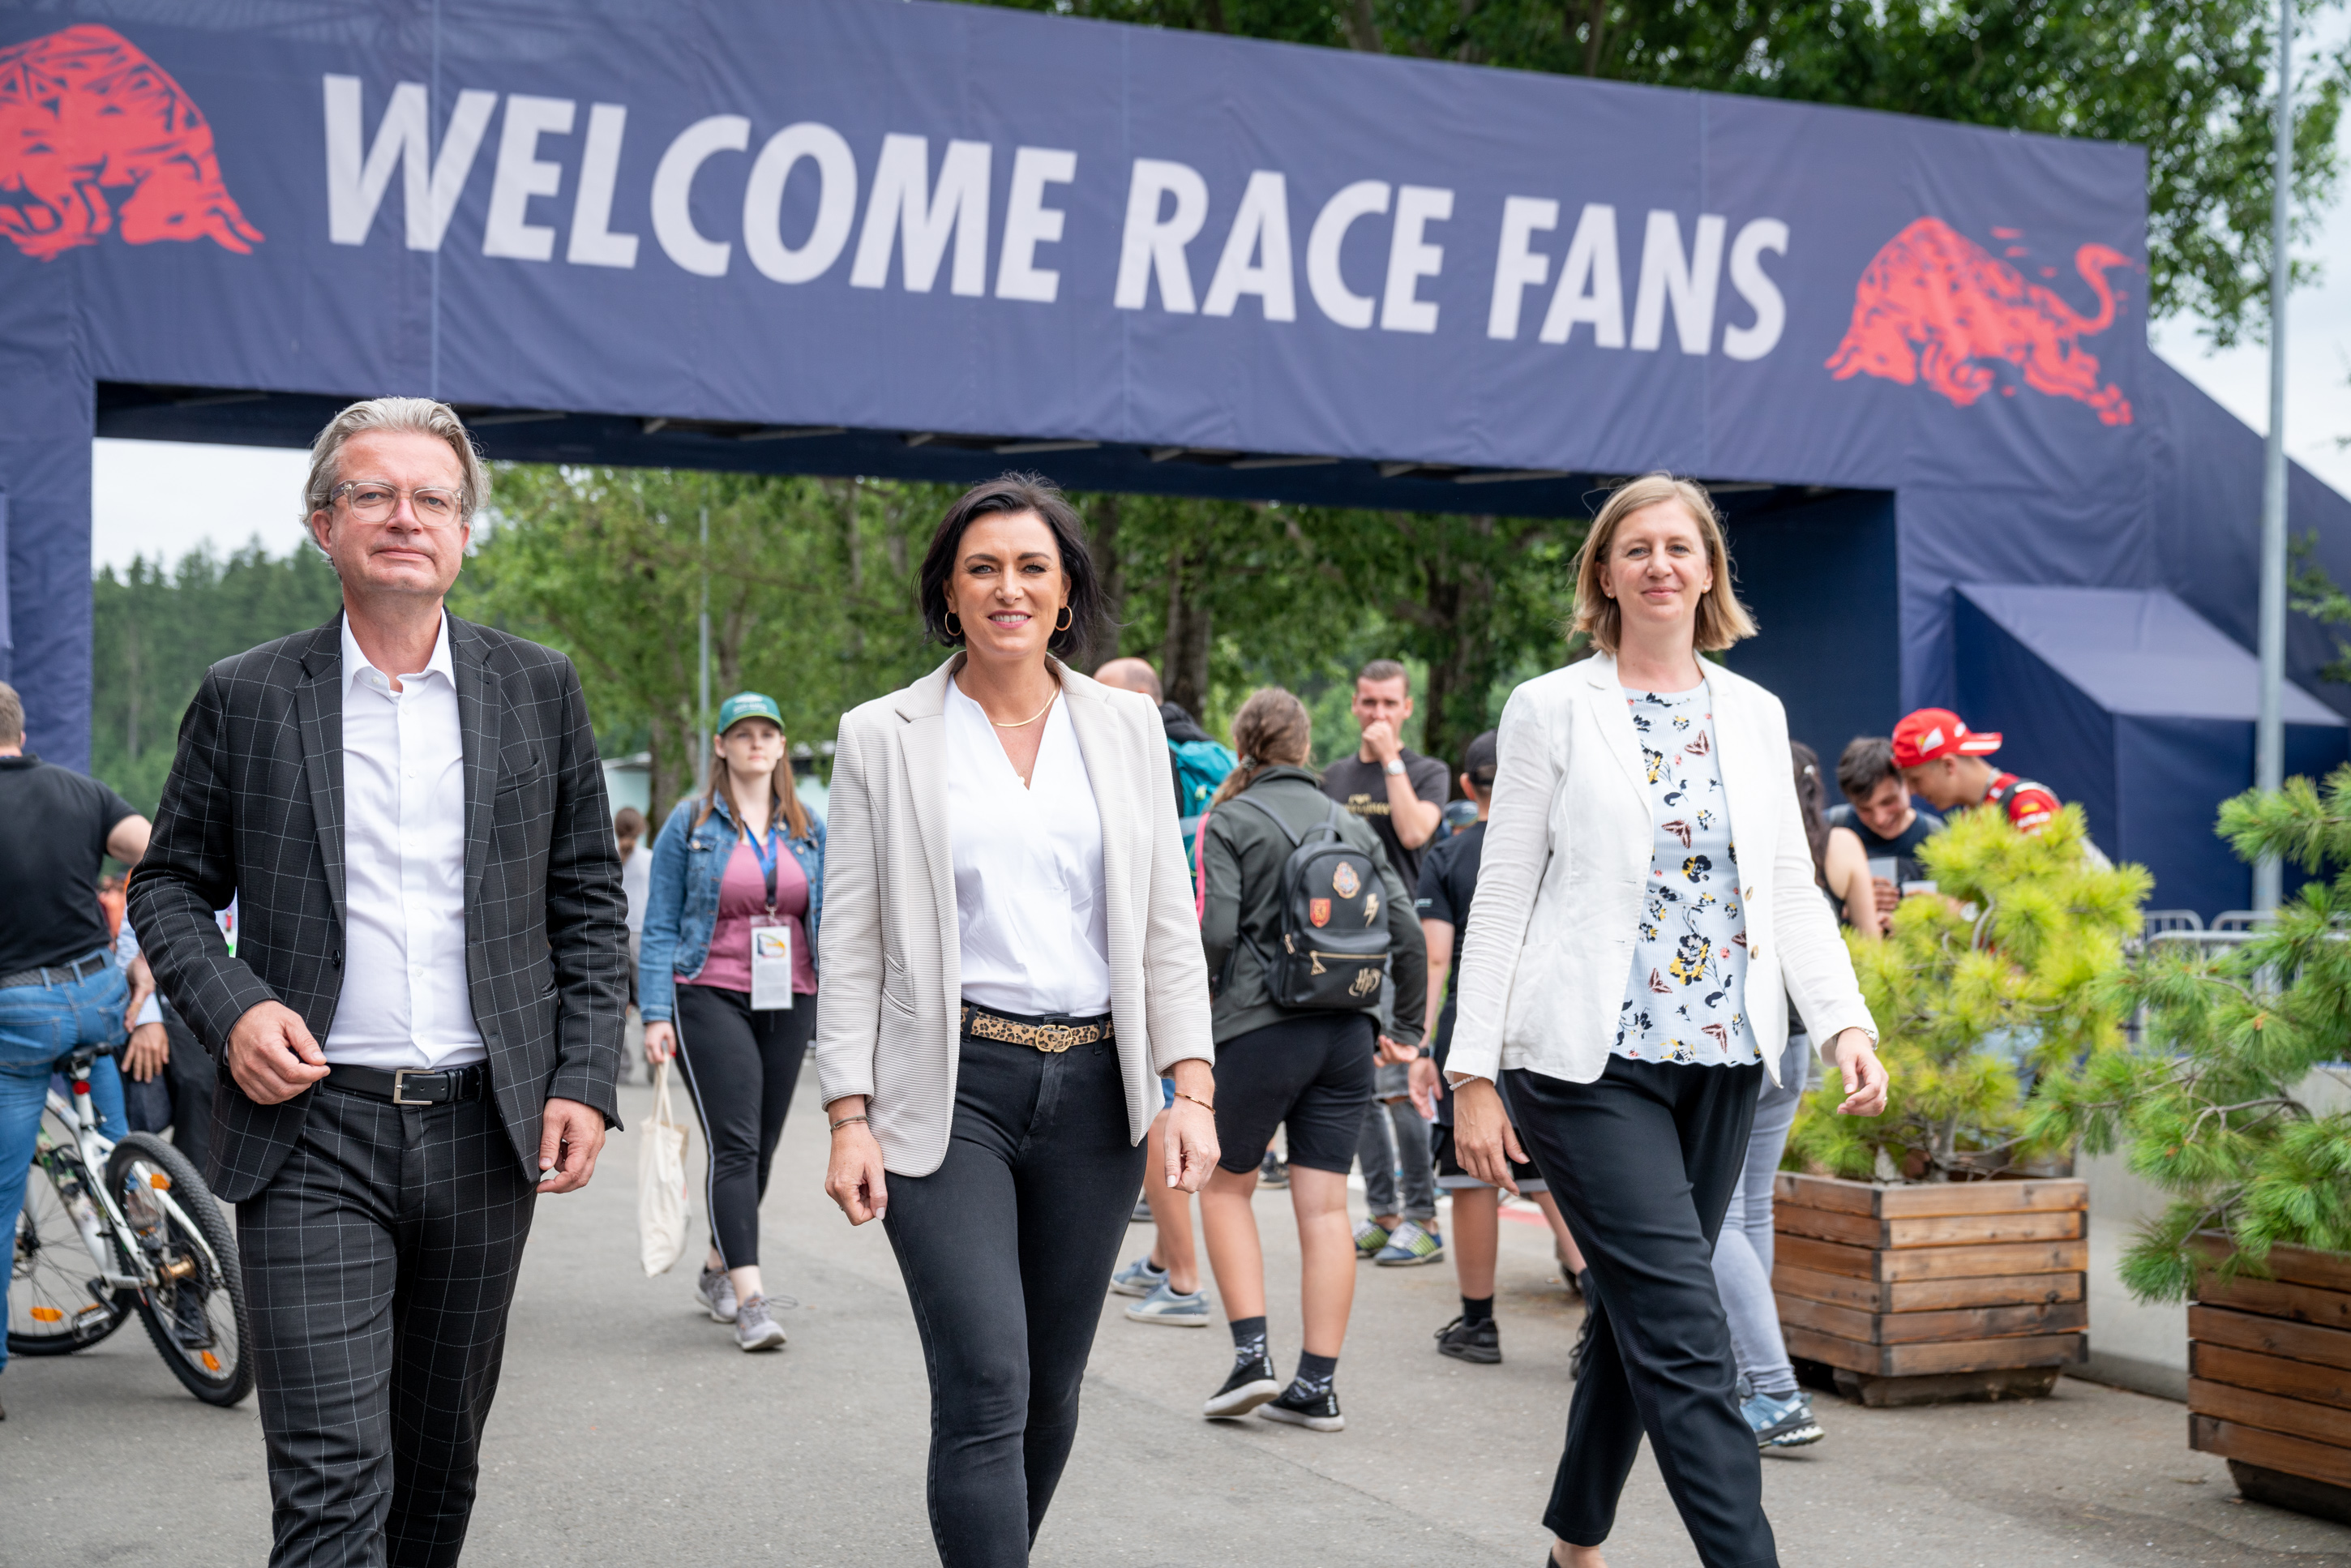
746 858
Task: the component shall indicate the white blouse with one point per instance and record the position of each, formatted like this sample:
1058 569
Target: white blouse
1030 905
1686 1001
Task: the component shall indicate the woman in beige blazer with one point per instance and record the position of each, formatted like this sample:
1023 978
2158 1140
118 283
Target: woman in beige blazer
1011 965
1645 914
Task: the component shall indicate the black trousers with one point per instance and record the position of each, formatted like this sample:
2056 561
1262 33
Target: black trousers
180 1097
379 1264
1006 1248
740 1068
1643 1161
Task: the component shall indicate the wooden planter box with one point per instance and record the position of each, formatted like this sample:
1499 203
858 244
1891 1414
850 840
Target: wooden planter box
1937 1291
2268 1380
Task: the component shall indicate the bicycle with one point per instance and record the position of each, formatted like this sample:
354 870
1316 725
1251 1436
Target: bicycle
153 1231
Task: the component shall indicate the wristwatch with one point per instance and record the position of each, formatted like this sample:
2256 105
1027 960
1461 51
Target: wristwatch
1392 766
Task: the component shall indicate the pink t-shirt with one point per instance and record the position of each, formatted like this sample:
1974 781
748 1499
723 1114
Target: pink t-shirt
742 893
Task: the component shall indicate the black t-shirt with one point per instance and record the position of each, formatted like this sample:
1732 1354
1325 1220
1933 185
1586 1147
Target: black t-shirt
53 828
1448 876
1903 848
1362 788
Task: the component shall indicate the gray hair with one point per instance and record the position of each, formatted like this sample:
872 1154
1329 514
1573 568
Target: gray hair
12 715
420 414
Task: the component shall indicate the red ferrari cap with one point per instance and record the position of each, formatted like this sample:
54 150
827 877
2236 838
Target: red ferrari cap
1938 732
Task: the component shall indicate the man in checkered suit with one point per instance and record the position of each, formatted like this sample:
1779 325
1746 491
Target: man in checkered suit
421 1028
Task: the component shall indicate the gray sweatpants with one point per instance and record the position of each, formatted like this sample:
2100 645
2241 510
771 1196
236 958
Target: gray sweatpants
1742 1253
1393 1136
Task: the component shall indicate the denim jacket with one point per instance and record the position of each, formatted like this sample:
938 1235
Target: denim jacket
682 903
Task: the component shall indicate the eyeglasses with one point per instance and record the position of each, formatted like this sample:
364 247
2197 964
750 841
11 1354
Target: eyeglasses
371 502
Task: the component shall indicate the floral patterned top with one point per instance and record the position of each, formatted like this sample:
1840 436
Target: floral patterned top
1686 999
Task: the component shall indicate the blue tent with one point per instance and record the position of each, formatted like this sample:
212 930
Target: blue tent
2132 703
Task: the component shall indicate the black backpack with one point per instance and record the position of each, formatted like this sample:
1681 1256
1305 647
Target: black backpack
1334 932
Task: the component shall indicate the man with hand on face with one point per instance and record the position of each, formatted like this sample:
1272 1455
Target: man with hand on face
420 1028
1401 795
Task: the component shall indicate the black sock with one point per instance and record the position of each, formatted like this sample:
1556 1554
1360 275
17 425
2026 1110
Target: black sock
1248 1339
1476 1311
1314 1374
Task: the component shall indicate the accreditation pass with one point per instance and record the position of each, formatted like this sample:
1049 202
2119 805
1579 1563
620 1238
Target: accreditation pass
771 963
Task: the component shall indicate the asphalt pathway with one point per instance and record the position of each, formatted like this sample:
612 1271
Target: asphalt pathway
629 1429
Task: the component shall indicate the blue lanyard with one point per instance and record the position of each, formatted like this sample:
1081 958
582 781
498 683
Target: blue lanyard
766 855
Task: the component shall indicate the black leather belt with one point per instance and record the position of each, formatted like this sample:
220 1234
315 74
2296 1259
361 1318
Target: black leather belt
61 974
413 1085
1048 1033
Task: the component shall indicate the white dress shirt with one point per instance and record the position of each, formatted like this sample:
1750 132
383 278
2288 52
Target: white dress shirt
404 1001
1029 906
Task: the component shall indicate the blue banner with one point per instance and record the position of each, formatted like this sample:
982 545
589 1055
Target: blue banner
930 217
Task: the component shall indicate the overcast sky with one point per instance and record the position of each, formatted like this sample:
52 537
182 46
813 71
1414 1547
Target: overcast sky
157 499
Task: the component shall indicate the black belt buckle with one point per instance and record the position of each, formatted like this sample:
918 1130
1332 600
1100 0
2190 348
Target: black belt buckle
401 1075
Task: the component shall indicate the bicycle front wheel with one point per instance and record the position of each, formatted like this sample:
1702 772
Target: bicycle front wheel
196 1310
59 1301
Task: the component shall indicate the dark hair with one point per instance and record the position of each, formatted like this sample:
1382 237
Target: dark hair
1386 670
1012 493
1866 762
1273 729
628 822
1808 801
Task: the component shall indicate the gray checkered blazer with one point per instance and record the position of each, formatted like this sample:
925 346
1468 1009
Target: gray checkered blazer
254 809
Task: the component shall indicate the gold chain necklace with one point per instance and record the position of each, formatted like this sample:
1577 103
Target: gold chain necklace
1033 718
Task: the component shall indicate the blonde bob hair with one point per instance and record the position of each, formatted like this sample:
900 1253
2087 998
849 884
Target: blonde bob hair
1721 618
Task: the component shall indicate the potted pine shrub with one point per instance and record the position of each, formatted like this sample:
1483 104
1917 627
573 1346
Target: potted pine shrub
1937 1252
2223 1104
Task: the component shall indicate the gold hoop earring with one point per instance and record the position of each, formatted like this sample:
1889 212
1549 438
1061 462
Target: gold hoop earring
954 627
1064 621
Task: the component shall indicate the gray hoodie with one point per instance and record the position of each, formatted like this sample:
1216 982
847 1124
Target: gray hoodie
1244 856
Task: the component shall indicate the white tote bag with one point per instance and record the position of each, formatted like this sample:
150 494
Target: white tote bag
660 1183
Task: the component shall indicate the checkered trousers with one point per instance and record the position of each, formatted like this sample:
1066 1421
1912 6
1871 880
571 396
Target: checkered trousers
379 1264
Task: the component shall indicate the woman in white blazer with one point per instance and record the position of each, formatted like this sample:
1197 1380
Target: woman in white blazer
1645 915
1011 964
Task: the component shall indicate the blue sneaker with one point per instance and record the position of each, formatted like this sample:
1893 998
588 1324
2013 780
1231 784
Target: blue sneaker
1371 1236
1164 1306
1139 1278
1411 1244
1780 1422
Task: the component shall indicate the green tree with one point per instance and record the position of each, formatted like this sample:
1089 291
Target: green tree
2215 1105
155 630
2017 963
811 593
2185 79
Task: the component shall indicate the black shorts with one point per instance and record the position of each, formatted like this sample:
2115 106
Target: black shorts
1452 1178
1313 1071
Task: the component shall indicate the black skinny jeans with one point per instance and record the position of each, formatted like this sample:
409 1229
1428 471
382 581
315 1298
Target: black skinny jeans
1006 1248
1643 1161
740 1068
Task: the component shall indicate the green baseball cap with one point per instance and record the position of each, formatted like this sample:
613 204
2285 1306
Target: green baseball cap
749 705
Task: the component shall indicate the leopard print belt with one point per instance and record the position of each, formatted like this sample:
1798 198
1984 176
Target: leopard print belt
1056 1037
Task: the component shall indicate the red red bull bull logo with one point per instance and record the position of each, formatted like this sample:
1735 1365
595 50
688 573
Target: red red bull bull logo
1936 307
96 137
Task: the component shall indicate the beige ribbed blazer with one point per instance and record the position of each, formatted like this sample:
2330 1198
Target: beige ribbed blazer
888 1017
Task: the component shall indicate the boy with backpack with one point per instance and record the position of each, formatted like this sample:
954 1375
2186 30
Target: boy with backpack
1305 921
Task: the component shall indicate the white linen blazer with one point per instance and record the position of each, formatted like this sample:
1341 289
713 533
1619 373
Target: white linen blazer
1550 944
889 1013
